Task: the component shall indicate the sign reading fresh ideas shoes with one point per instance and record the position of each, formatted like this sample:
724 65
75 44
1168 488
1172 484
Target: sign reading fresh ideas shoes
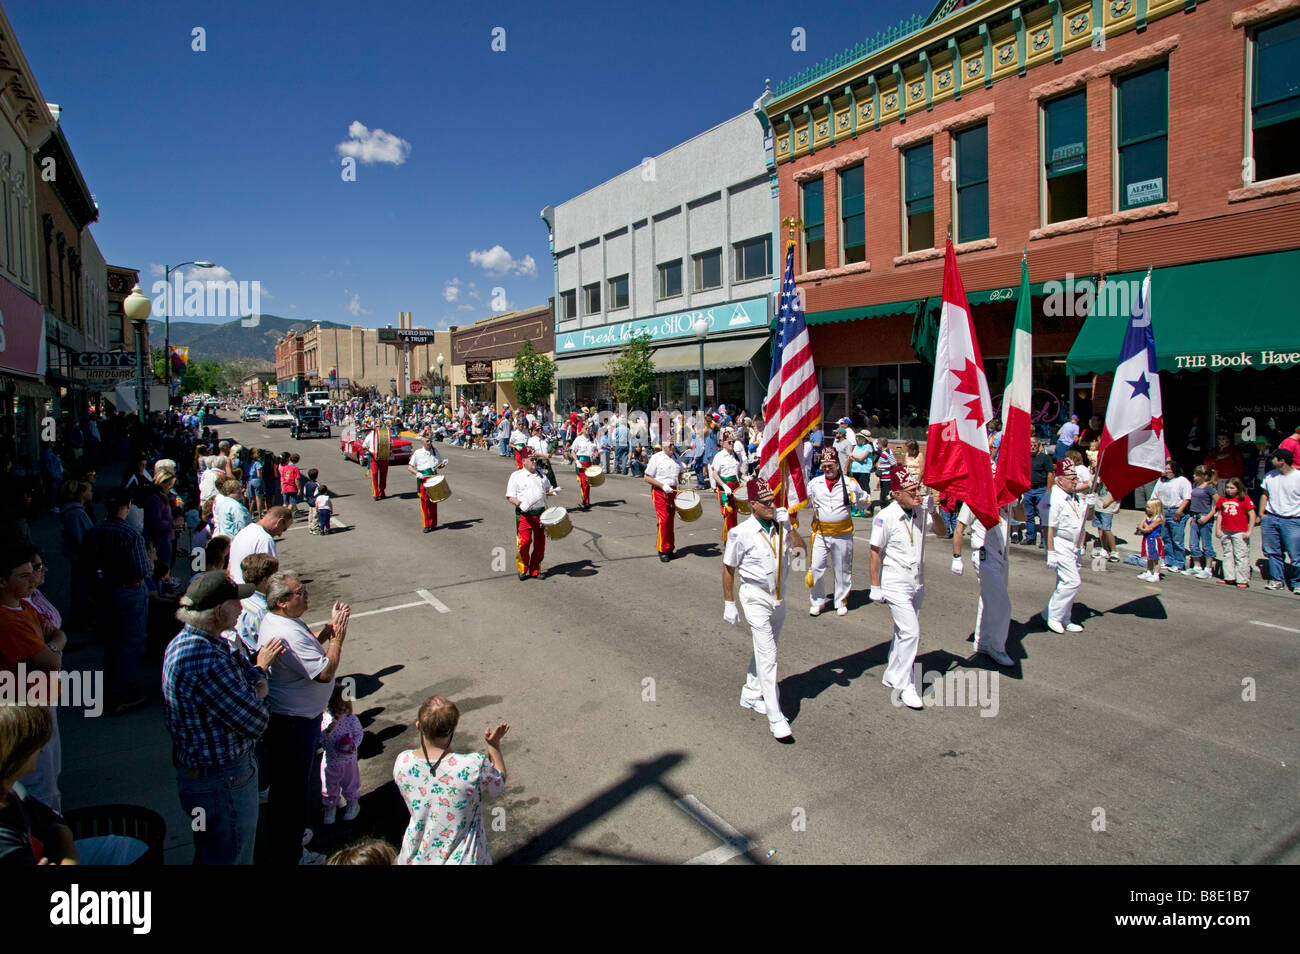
733 316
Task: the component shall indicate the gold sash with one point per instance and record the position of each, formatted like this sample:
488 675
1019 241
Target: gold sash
832 528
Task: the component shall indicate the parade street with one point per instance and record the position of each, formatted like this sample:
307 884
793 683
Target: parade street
1160 734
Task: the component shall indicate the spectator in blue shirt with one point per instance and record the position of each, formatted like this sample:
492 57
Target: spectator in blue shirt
621 445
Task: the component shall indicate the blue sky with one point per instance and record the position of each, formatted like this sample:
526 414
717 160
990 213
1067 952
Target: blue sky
232 154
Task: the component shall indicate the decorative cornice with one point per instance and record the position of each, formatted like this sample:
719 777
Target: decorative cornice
821 168
979 245
1139 57
967 118
1137 215
853 268
1259 12
1259 190
923 255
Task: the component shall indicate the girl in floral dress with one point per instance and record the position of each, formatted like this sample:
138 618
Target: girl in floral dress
444 790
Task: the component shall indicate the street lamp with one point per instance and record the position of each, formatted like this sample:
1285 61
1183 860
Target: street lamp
392 383
167 326
701 332
441 359
136 308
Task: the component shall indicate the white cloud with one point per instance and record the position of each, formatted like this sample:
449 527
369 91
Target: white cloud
464 307
293 307
472 290
451 290
354 305
374 145
497 261
158 271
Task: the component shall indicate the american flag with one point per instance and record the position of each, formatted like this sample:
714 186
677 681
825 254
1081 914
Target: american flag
793 405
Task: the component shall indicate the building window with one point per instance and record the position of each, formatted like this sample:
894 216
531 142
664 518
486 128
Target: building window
115 324
618 293
670 279
708 270
568 304
814 225
1065 157
971 151
591 299
1275 101
918 197
9 255
1142 137
853 218
753 258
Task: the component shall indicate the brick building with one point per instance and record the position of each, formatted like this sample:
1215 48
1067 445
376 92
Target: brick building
483 354
372 357
1100 138
290 367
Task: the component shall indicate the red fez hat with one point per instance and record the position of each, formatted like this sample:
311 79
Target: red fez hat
1065 467
757 489
830 456
902 479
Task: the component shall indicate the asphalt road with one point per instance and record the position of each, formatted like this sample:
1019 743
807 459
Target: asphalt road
1164 733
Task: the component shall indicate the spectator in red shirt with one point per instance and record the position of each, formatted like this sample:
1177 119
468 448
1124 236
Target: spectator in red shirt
1235 518
1092 432
1292 443
1226 461
290 477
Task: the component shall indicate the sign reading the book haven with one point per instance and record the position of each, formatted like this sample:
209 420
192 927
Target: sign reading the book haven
752 313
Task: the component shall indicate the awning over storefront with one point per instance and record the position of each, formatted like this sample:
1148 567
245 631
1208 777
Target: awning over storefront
24 387
588 366
865 312
717 354
1213 316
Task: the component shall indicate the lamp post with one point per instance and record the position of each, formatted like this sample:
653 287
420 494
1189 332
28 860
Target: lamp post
441 359
392 383
136 308
167 322
701 329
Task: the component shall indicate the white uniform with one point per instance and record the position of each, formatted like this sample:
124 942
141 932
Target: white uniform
752 552
1065 516
901 540
518 438
662 468
827 504
726 464
989 557
539 445
529 489
584 446
423 460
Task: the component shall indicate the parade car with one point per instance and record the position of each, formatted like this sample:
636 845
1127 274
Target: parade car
353 446
277 417
309 422
252 413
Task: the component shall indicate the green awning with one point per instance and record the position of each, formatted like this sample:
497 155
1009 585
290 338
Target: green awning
925 327
1222 315
864 312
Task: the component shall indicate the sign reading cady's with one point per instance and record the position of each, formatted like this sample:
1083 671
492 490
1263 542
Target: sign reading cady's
478 372
1242 359
729 317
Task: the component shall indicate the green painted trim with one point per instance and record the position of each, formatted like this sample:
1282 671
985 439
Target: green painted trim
875 100
1098 22
988 55
1058 30
1189 6
830 116
1021 34
956 67
812 130
901 89
1140 15
853 111
929 80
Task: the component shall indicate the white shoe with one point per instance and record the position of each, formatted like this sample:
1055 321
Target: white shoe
352 811
841 611
781 730
910 698
755 704
1073 628
1055 626
999 657
329 813
816 608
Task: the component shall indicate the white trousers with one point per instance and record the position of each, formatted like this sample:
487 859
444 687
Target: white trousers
1067 580
904 600
839 552
1236 557
765 617
993 619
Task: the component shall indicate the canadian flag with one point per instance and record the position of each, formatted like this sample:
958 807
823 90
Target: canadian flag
1132 450
957 444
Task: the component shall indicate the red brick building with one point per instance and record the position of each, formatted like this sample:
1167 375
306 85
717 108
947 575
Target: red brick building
1100 137
290 366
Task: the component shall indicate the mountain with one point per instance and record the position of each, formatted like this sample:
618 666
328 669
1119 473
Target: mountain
232 340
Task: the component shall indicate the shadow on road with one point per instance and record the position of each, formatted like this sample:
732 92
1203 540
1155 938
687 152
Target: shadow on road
578 568
460 524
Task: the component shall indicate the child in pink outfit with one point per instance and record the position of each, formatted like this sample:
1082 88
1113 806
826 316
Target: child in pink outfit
341 734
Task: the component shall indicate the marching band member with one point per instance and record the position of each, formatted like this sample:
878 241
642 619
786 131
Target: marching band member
584 452
989 557
832 499
662 472
379 446
528 490
754 552
725 473
541 449
1064 547
518 439
424 463
898 574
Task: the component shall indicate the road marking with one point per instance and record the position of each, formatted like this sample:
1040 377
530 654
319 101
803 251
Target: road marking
386 609
1260 622
433 601
734 842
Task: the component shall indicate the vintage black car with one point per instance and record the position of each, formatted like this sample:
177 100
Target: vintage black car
308 422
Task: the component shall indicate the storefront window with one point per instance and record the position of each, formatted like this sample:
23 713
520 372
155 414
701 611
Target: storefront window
894 399
1049 403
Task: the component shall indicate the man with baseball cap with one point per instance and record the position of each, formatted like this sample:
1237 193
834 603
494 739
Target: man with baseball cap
833 498
898 575
1279 502
663 472
216 710
759 554
1064 546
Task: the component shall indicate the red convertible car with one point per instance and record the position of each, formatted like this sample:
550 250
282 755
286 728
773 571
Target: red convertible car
353 449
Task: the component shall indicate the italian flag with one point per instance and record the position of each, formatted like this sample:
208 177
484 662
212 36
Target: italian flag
1012 477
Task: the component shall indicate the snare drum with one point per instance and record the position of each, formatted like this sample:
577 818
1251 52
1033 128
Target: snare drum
437 489
741 496
689 505
556 523
595 476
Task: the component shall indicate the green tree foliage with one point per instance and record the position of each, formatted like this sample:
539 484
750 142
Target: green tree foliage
632 374
534 376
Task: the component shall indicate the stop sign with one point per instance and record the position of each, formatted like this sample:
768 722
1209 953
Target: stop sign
416 387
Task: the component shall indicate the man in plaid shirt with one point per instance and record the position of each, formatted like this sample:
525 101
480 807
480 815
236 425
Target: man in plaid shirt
216 711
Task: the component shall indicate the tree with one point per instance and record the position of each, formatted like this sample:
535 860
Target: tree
632 374
534 376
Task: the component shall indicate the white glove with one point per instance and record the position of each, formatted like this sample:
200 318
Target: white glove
1051 560
729 614
782 516
877 595
956 565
